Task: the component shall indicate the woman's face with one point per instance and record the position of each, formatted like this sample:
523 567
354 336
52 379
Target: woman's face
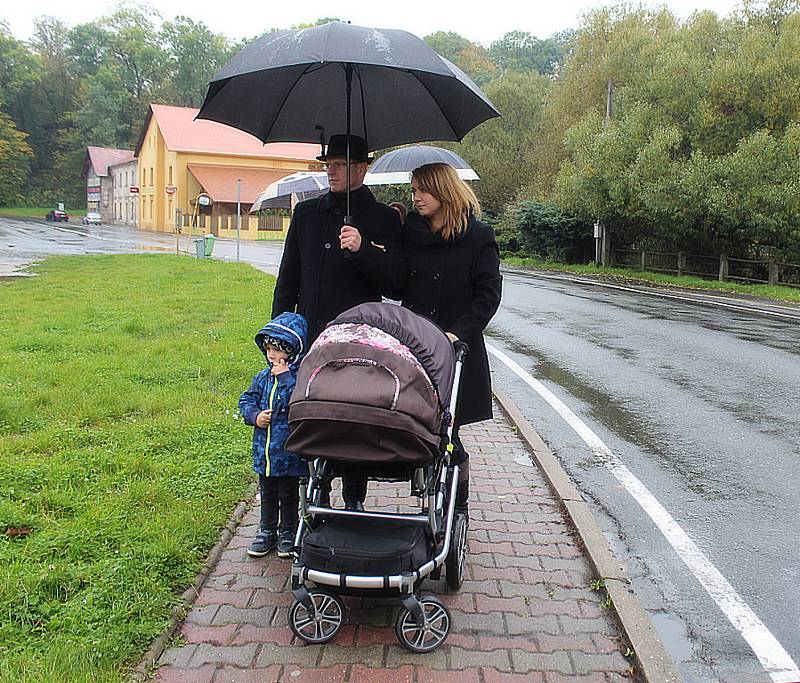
424 202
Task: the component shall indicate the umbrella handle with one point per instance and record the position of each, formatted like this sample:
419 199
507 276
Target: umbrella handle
348 220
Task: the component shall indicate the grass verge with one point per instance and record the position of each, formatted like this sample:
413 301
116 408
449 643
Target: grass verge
120 454
35 212
776 292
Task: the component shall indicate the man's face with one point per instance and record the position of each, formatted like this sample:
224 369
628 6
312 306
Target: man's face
336 168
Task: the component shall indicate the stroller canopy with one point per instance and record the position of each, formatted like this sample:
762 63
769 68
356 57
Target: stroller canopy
425 340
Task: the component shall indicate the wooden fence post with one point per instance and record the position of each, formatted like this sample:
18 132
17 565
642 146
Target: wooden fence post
774 273
681 263
642 266
723 267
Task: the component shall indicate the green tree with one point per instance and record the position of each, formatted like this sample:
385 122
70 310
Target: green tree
502 150
194 55
15 157
525 52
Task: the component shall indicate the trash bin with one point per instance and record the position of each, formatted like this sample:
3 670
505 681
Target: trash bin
209 244
199 247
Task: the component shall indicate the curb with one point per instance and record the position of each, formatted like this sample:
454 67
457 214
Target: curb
654 662
143 670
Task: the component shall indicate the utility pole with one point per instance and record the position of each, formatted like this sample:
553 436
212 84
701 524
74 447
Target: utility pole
603 241
238 213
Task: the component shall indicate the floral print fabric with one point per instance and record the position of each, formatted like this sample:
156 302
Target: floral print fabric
361 333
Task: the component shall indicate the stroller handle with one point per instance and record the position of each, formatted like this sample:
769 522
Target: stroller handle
461 349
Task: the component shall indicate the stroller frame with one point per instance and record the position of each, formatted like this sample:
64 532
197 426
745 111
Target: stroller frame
423 623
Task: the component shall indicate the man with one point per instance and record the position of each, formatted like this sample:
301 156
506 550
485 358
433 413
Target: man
321 274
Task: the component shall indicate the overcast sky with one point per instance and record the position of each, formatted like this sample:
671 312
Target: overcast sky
478 21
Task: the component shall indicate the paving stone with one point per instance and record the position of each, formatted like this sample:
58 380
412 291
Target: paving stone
203 616
495 676
428 675
242 655
215 635
363 674
230 674
333 674
531 661
591 663
178 656
169 674
371 655
227 614
465 659
301 655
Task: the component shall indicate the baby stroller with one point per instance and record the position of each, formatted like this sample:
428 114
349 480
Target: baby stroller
376 394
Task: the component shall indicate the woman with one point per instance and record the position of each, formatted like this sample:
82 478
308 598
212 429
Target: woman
448 270
453 277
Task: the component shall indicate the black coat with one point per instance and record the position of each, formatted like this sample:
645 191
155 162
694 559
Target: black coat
316 278
457 284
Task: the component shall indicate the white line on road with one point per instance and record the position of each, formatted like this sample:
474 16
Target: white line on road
708 298
777 662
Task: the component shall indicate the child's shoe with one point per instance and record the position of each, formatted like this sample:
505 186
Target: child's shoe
286 543
265 541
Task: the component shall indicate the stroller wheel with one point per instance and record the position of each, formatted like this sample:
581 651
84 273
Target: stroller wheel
421 638
457 555
321 625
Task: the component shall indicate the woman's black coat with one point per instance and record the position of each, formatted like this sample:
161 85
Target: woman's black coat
457 284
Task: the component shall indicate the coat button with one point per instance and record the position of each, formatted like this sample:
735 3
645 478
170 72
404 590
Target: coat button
327 245
436 276
337 211
319 322
413 273
433 311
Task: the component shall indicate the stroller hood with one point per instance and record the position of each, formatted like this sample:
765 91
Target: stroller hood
425 339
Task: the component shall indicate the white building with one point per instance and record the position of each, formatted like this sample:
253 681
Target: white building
124 202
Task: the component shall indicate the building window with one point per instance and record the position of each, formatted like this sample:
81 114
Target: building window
170 175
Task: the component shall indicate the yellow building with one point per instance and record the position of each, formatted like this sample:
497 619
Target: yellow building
180 158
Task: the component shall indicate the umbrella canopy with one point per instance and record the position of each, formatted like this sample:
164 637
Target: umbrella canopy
395 167
387 86
304 184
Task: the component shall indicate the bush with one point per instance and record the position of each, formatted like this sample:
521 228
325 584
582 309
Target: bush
544 230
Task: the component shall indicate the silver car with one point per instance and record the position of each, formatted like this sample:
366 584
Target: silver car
92 218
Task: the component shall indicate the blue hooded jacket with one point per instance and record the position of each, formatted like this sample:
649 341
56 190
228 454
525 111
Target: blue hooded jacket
266 392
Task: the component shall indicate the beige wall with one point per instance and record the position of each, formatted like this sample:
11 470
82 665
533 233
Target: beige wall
162 164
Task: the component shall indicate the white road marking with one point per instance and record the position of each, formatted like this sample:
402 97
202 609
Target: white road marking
775 660
710 300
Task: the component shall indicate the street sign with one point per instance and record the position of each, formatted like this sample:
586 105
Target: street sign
171 189
134 189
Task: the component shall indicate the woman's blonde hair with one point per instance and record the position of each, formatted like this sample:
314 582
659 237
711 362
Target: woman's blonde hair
457 198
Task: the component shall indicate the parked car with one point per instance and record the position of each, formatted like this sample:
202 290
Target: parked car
57 216
92 218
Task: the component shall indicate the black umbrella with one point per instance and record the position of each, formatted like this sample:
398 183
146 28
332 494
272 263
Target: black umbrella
386 85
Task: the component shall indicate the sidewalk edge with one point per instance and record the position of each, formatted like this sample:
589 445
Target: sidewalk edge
653 660
143 669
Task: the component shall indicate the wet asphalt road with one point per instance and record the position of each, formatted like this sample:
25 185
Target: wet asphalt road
702 405
700 402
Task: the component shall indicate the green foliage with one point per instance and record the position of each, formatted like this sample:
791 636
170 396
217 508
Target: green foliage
543 229
120 458
15 156
522 51
502 150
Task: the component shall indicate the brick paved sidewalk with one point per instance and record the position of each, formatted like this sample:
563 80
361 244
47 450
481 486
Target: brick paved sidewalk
526 611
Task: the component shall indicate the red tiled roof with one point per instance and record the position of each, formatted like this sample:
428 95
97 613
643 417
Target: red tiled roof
103 157
182 133
220 181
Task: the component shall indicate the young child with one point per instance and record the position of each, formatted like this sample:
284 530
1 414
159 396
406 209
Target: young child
265 406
